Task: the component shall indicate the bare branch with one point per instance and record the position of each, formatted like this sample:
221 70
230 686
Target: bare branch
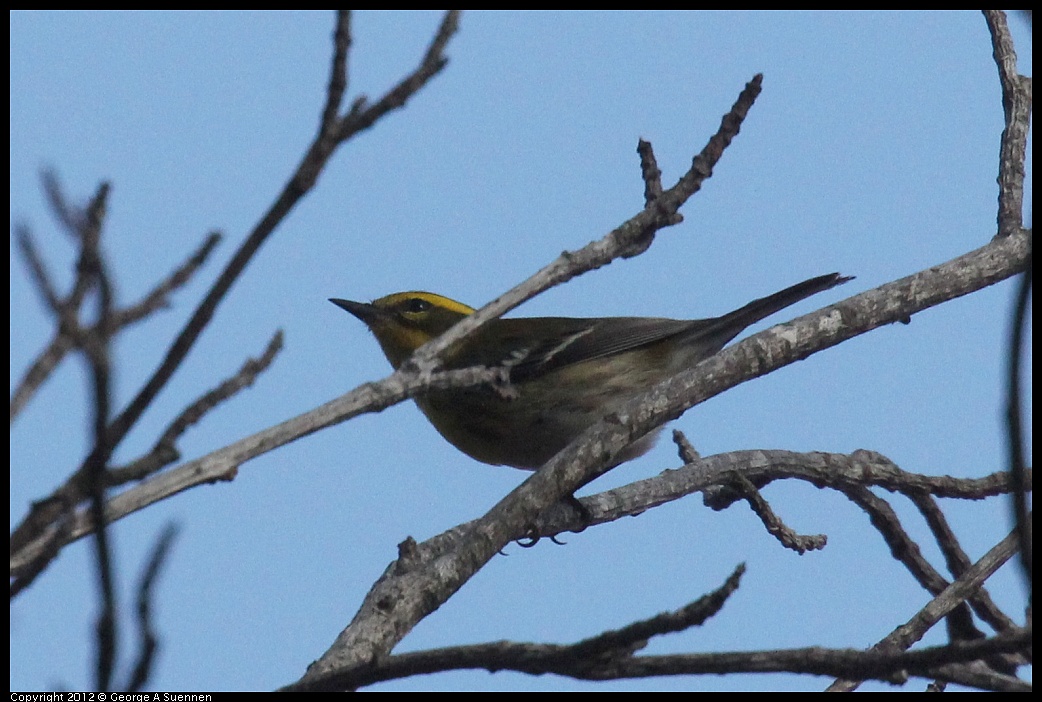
145 595
70 333
82 226
165 450
222 465
1016 104
1015 428
34 262
649 172
157 298
886 661
628 236
536 659
942 604
299 184
635 636
956 559
906 551
337 74
39 370
761 467
775 526
33 528
92 274
69 217
363 116
542 659
902 547
45 551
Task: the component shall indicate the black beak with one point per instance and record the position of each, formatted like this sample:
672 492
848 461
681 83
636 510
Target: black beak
364 311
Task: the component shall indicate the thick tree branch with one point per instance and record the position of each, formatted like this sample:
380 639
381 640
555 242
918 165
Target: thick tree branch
887 661
374 630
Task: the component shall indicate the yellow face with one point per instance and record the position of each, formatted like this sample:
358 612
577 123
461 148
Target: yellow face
405 321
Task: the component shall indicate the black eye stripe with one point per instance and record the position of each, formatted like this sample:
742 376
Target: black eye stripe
416 305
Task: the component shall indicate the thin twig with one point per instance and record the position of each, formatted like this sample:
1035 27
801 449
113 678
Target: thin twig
635 636
337 74
70 331
685 449
956 558
158 297
775 526
652 177
34 262
165 452
39 370
145 595
364 115
649 172
69 217
942 604
906 551
1015 428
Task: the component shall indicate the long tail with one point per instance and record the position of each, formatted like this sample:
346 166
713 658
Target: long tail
766 306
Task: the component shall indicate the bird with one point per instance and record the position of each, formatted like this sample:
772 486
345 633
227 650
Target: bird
566 372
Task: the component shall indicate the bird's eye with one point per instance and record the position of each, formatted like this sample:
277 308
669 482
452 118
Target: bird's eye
416 305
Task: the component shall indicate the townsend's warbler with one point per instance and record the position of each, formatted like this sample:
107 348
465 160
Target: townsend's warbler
568 372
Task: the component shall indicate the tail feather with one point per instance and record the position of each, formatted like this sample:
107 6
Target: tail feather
766 306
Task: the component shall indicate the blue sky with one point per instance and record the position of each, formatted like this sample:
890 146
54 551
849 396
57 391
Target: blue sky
872 151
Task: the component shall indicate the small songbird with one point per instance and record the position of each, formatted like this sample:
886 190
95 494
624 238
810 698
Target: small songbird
568 372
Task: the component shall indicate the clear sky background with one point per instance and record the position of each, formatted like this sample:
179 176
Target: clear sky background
872 151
